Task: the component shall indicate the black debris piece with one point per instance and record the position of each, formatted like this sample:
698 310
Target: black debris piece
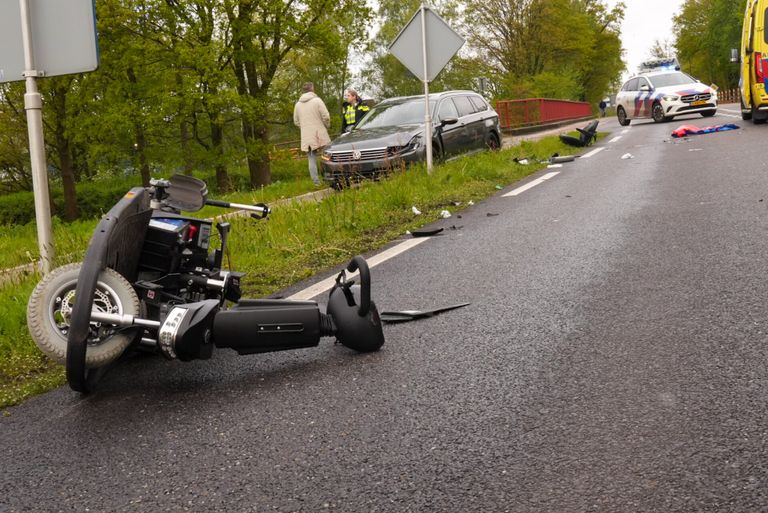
587 136
412 315
426 233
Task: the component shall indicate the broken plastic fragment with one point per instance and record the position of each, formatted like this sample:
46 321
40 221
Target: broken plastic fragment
426 233
416 211
412 315
445 214
627 156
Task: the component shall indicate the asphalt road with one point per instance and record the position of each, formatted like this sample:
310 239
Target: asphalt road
613 359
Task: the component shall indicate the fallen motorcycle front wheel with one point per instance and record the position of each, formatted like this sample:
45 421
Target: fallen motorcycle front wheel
50 308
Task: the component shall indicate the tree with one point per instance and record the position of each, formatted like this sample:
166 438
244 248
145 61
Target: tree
264 33
705 31
568 48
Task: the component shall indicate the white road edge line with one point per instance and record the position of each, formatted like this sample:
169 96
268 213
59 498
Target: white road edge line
322 286
625 131
593 152
531 184
615 139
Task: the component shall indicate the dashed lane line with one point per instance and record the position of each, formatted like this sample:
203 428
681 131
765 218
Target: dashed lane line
531 184
320 287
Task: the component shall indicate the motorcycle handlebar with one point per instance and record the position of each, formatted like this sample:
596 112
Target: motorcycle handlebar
358 263
259 208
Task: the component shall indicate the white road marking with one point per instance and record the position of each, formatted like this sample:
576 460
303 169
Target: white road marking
615 139
531 184
554 166
320 287
625 131
593 152
729 115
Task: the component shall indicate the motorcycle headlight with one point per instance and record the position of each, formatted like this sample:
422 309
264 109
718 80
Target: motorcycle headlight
671 98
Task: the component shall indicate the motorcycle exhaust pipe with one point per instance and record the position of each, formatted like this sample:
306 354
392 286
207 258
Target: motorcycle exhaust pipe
266 325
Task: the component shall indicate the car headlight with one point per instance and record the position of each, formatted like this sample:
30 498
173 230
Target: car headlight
415 142
671 98
326 156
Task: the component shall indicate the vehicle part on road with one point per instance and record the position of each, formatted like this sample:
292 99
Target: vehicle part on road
627 156
426 233
587 137
559 159
149 281
412 315
684 130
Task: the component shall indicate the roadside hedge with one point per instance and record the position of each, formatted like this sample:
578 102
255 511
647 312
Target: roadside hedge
93 199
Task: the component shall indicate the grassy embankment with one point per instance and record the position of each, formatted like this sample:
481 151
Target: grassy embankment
297 241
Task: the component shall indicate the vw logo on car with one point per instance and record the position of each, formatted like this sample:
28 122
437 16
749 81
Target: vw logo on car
356 155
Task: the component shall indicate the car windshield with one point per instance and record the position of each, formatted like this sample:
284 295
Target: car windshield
671 79
409 112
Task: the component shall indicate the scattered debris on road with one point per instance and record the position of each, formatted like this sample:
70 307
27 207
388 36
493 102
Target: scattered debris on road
627 156
416 211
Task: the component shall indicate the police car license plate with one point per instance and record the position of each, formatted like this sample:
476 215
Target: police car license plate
699 102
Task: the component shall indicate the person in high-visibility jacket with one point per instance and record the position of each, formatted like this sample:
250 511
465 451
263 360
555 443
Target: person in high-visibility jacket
352 110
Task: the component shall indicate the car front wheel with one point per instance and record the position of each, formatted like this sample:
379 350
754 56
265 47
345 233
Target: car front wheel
657 112
622 115
492 142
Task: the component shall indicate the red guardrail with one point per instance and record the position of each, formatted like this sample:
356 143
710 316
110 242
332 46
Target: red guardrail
539 111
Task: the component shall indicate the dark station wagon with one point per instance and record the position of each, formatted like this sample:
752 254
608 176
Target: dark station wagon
391 135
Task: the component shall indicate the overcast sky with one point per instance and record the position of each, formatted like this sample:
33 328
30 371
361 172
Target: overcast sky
645 21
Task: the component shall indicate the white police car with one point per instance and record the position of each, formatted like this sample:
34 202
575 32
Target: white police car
662 95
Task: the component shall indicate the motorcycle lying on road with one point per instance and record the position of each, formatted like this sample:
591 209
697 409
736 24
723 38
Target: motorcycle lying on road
150 281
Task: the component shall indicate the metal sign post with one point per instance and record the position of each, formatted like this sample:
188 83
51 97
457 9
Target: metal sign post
33 104
439 43
427 114
55 37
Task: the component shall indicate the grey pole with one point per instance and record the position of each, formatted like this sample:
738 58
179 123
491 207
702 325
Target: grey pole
427 115
33 104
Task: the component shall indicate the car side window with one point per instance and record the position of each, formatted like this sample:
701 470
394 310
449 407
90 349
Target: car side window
478 103
642 82
632 85
464 107
447 110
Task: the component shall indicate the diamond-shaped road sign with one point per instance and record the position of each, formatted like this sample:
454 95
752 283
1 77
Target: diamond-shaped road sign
63 38
442 43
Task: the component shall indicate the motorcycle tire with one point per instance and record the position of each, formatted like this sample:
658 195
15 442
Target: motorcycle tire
52 300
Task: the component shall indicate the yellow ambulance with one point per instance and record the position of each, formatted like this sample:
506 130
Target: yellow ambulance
753 76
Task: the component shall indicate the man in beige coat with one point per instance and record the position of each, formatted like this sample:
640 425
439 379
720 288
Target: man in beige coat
311 115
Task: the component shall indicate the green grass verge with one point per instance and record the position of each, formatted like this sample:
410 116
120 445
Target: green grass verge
298 240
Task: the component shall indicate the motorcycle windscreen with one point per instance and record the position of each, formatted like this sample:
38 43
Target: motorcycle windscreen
186 193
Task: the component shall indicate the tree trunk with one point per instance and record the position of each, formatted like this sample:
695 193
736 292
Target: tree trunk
259 168
67 177
63 150
186 151
141 145
217 139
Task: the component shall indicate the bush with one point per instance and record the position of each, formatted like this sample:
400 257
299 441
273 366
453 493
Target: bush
93 199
